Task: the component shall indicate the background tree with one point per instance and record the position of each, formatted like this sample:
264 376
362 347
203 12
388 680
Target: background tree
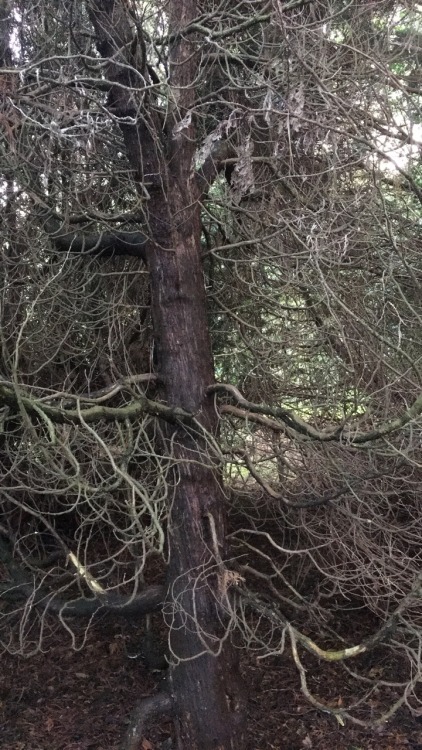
211 388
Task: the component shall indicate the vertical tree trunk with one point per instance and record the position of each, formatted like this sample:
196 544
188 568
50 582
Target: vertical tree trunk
204 679
205 687
204 676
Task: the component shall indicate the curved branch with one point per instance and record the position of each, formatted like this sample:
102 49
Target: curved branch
272 613
64 415
104 394
340 433
200 26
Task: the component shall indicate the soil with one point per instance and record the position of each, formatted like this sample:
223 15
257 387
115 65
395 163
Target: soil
64 699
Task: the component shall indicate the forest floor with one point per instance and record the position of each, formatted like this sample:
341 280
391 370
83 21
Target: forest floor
81 700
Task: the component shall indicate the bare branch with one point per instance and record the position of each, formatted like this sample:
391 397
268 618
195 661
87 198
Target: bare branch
137 407
341 434
104 244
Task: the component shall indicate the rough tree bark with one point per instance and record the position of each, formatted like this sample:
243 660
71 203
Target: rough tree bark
204 677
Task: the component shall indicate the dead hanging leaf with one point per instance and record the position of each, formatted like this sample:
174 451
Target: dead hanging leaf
182 125
296 104
147 745
49 724
243 180
113 648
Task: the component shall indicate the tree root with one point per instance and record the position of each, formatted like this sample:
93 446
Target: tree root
147 709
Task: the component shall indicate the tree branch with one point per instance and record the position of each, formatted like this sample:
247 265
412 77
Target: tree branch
340 433
105 244
150 600
201 27
273 614
104 394
22 586
64 415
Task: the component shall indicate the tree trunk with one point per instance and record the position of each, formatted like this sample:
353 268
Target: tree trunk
205 686
204 676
